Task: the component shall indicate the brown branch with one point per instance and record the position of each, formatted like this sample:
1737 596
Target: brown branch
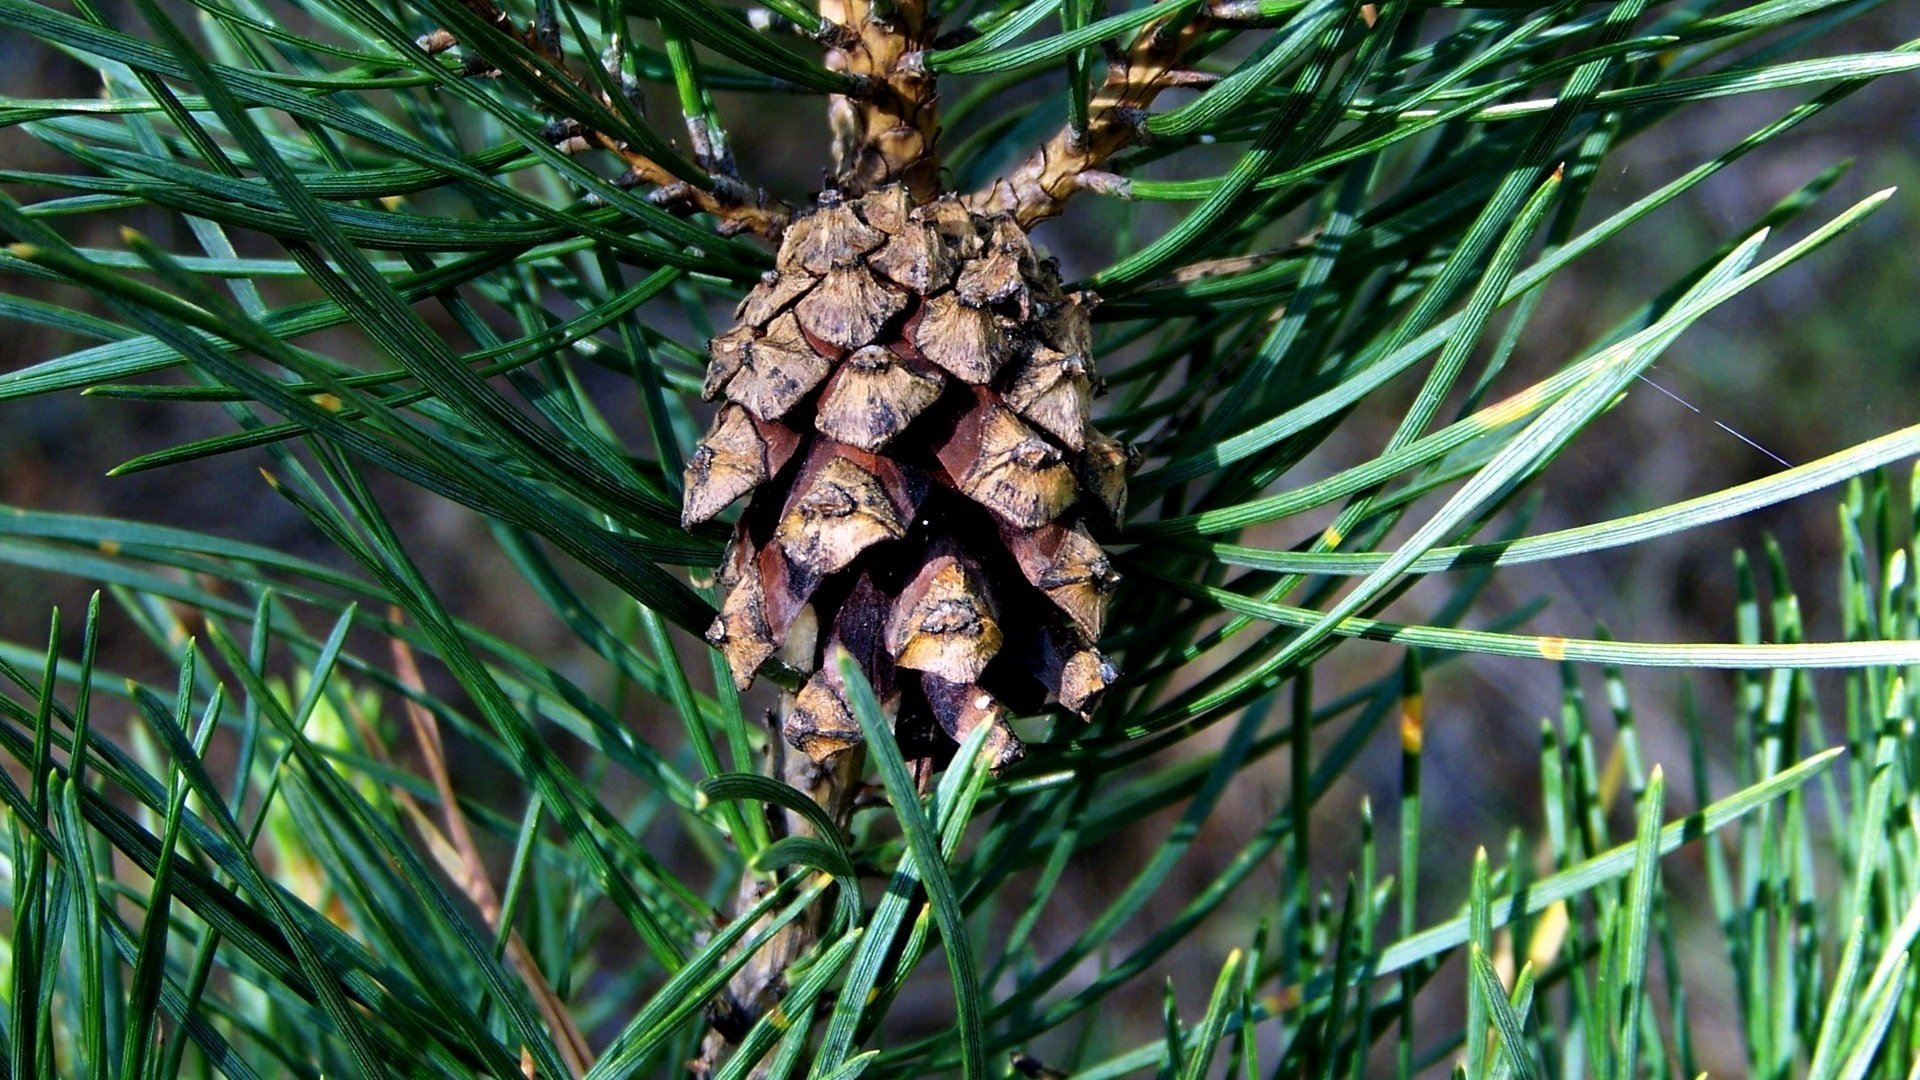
738 207
1073 160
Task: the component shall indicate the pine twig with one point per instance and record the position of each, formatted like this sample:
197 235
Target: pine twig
887 133
1072 160
738 207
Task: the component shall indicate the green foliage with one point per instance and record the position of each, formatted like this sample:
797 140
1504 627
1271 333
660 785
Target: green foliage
370 258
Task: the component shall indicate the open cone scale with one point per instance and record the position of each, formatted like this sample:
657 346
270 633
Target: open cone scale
906 399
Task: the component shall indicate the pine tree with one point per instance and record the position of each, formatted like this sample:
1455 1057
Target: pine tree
357 835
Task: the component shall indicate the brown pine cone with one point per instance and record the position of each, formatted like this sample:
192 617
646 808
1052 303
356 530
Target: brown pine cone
907 400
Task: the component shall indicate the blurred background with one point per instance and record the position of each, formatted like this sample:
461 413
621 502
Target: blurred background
1814 360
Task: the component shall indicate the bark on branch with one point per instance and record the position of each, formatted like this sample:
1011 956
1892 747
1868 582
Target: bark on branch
1074 160
887 133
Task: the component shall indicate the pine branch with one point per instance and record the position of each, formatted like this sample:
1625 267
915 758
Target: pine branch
739 207
1071 161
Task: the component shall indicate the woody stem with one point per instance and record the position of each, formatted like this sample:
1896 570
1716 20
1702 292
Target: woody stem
1073 160
738 207
887 131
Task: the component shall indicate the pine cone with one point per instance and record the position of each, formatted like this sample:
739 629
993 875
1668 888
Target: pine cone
907 400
